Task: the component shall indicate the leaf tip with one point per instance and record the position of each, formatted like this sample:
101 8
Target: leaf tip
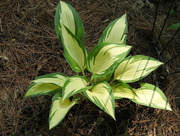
169 108
26 95
51 126
63 99
125 15
114 117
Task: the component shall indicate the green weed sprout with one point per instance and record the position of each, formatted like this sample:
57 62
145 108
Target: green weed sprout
111 70
174 26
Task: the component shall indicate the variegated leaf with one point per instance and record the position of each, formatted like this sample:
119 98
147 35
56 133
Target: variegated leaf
102 96
135 68
151 96
55 78
99 78
46 84
122 90
103 57
73 85
59 110
74 51
70 30
66 15
37 89
116 31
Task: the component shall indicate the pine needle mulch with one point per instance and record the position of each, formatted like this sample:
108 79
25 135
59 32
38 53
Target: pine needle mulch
29 48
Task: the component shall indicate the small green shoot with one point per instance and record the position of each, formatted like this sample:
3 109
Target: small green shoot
12 134
174 26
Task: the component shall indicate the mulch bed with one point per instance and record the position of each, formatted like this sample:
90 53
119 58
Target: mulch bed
29 48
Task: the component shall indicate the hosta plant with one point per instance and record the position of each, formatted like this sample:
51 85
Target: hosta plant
102 75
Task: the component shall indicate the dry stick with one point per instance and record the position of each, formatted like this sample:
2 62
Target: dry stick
22 125
168 43
75 124
155 17
0 26
156 47
173 73
172 59
91 129
159 36
157 8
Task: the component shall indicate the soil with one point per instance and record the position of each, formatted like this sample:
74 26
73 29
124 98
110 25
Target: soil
29 48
